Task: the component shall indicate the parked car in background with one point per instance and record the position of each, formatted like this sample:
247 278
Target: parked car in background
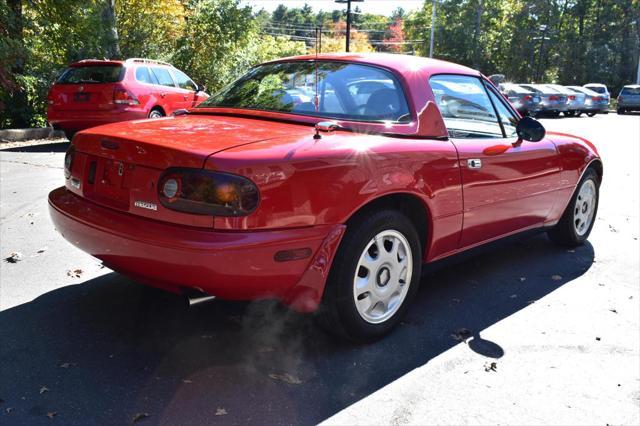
525 101
575 101
629 99
599 88
552 102
594 102
250 195
93 92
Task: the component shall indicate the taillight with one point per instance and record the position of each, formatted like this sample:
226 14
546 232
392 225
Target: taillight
68 161
553 98
206 192
572 98
527 97
124 97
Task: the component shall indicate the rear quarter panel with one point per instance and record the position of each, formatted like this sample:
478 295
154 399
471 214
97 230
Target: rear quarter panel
306 182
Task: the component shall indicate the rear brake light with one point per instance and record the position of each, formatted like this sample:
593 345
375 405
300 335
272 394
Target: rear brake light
527 97
206 192
124 97
68 161
572 98
553 98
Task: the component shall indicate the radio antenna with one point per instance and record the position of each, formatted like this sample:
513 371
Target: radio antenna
318 36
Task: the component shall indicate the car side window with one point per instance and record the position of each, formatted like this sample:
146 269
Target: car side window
465 107
507 118
163 76
183 81
143 75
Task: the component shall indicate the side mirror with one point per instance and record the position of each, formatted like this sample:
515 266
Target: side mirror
530 129
201 88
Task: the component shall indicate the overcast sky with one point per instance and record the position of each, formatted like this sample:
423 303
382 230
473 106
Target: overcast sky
382 7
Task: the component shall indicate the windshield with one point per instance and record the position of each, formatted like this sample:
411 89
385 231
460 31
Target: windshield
92 74
345 91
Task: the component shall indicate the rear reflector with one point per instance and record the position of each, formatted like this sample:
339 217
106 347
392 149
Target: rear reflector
295 254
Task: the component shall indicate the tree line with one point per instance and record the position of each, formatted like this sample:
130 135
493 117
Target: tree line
215 41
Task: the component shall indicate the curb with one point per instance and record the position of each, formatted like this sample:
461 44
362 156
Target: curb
20 135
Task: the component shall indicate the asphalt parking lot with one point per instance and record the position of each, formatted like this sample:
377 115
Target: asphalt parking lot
554 332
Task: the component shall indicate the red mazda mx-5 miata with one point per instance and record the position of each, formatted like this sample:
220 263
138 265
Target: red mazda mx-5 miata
325 182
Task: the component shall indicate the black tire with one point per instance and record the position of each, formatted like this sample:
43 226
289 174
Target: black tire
564 232
156 113
569 113
338 313
620 111
578 114
591 114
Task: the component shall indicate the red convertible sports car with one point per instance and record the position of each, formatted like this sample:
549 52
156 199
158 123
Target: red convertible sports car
325 182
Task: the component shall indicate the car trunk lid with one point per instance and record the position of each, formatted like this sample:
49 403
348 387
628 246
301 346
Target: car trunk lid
119 165
87 87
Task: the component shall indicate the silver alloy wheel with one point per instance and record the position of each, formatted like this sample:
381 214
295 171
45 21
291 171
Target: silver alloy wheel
155 114
585 207
383 276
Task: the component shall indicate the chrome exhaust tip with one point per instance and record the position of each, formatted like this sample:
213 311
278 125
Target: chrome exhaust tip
195 297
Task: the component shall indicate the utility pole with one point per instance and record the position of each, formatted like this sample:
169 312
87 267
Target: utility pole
348 2
433 28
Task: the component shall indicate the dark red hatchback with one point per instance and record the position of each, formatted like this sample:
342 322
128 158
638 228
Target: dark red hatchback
94 92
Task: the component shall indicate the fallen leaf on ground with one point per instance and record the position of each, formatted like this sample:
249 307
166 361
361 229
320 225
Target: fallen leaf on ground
221 412
530 302
513 296
52 414
598 339
42 250
556 277
76 273
139 416
490 366
8 410
187 381
44 389
456 300
612 229
461 334
613 310
287 378
522 279
14 257
571 251
67 364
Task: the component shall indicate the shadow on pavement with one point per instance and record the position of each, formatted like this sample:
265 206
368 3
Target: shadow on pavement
45 147
107 349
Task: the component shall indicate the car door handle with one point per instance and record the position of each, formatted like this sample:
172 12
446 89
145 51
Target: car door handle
474 163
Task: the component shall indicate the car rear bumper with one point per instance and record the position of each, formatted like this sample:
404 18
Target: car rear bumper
75 120
229 265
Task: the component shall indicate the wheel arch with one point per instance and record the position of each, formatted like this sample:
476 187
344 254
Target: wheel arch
157 108
407 203
598 167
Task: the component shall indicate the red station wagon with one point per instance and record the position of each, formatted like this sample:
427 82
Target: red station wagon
332 204
94 92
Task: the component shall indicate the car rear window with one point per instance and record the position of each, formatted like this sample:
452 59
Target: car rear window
630 91
92 75
597 89
291 87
